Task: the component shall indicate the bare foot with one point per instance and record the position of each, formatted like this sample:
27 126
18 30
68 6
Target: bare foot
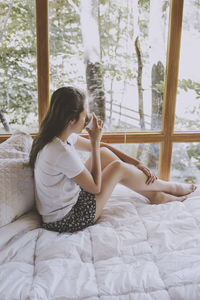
181 189
161 197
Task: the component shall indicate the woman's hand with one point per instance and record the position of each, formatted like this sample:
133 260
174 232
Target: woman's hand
151 177
95 133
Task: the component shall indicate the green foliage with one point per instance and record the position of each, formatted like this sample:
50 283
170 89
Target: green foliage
197 3
66 47
188 84
193 152
118 54
159 87
18 64
144 4
18 82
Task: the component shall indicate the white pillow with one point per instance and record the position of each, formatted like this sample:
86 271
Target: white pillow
16 178
16 189
17 146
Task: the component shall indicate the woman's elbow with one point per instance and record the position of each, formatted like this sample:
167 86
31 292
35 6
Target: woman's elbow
96 189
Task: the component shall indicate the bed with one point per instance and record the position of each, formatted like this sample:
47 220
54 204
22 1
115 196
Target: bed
135 251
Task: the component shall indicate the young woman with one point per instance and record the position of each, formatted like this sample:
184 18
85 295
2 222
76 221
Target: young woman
71 195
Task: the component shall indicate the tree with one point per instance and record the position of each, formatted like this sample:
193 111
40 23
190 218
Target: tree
66 49
91 42
157 42
18 64
2 117
139 55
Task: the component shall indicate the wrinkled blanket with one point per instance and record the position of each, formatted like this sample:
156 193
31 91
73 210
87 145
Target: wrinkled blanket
135 251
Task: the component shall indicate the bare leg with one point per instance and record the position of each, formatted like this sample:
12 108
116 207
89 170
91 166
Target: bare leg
130 176
135 179
162 197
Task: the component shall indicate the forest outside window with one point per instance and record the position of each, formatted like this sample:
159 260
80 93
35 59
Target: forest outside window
186 162
125 54
188 96
117 51
18 80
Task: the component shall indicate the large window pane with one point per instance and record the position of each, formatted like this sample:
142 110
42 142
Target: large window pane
188 97
186 162
148 154
18 83
66 48
116 49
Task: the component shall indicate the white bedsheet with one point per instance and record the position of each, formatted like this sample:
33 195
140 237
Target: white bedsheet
136 251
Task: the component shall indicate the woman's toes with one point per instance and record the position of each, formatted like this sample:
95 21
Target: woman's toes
194 187
183 189
161 197
179 198
183 198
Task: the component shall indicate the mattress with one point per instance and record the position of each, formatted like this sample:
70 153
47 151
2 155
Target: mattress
135 251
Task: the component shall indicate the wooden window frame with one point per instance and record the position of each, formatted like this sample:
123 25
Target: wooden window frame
167 136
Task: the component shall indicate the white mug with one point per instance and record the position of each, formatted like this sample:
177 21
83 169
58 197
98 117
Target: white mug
90 124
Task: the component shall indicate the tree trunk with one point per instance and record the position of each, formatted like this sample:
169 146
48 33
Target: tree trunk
6 19
140 94
4 122
157 55
111 100
139 74
91 42
157 76
139 83
95 89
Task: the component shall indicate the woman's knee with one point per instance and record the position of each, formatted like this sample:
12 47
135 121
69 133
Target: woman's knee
111 176
117 164
105 152
107 157
116 168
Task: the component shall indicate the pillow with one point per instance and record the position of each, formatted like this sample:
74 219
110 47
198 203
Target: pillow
17 146
16 189
16 178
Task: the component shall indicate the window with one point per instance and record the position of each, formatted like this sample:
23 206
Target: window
124 43
132 48
188 97
186 162
18 92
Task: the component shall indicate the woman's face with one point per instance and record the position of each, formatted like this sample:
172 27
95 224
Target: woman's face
83 120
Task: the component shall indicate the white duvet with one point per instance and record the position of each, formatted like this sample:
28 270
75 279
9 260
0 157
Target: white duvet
135 251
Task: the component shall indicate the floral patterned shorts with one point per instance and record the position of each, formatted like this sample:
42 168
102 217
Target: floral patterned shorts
80 216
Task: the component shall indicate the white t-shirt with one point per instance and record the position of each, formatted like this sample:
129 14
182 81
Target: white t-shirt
55 191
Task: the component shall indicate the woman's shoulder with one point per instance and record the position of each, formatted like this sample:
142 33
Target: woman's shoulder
53 149
57 149
72 139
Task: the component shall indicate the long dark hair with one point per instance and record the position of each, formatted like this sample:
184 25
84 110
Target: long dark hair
66 104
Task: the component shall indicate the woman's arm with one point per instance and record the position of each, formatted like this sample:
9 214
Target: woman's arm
91 182
83 144
123 156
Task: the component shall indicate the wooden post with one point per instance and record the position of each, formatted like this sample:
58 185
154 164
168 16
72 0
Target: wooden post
169 107
42 57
